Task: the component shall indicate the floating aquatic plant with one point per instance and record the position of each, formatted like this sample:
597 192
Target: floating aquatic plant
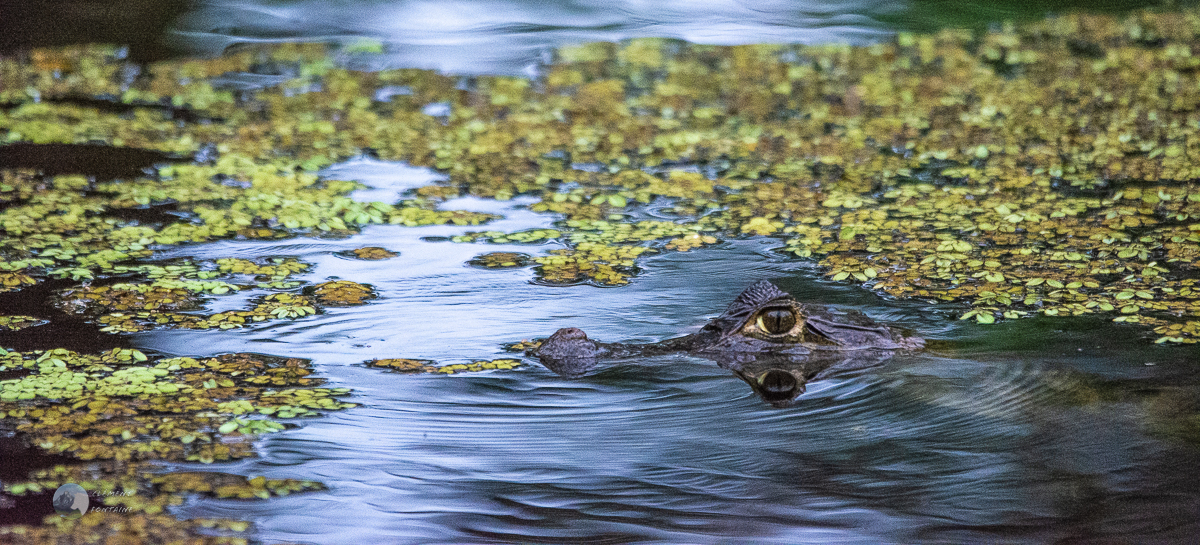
500 260
122 409
374 253
131 503
343 293
18 322
406 365
122 405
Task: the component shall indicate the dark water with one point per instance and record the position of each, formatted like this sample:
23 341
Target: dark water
1023 432
1032 431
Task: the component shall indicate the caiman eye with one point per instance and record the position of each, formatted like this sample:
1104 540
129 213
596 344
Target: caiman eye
777 321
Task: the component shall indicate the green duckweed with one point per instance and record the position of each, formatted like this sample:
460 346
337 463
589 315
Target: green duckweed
500 260
16 323
373 253
343 293
406 365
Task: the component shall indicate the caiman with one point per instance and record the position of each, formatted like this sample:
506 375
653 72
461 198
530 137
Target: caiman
766 337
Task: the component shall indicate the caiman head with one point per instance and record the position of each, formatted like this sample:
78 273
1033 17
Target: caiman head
763 312
569 352
764 318
762 321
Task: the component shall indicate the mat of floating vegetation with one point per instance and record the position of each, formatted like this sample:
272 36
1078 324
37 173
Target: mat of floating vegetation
406 365
172 295
18 322
984 168
343 293
123 409
170 409
370 253
500 260
130 308
128 503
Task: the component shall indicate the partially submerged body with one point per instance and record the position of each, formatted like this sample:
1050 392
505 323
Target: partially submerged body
766 337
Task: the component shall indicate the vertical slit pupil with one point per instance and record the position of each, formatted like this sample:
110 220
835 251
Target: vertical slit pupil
778 321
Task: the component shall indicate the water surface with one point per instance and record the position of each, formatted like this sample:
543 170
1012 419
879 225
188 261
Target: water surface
516 36
1030 431
1023 432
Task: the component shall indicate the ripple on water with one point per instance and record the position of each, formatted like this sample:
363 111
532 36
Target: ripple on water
386 181
515 37
971 443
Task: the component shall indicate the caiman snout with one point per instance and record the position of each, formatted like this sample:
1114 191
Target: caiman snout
779 385
569 334
568 352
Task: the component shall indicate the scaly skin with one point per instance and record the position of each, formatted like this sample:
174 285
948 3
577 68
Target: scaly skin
766 337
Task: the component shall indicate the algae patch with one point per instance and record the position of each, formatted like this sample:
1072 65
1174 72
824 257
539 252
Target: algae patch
1011 171
500 260
120 411
343 293
407 365
373 253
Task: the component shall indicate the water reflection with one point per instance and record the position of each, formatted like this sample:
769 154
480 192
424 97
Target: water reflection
777 377
508 37
780 379
515 37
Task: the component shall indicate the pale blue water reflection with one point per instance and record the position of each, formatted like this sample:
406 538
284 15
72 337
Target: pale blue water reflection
510 37
515 37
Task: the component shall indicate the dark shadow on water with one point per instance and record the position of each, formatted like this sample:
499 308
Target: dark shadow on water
1080 336
103 162
17 460
140 24
27 509
934 15
63 330
160 213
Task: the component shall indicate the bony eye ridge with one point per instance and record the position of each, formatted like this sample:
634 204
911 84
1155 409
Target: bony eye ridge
777 321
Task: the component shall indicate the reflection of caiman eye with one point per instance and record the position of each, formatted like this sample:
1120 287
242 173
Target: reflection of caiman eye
777 321
778 385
